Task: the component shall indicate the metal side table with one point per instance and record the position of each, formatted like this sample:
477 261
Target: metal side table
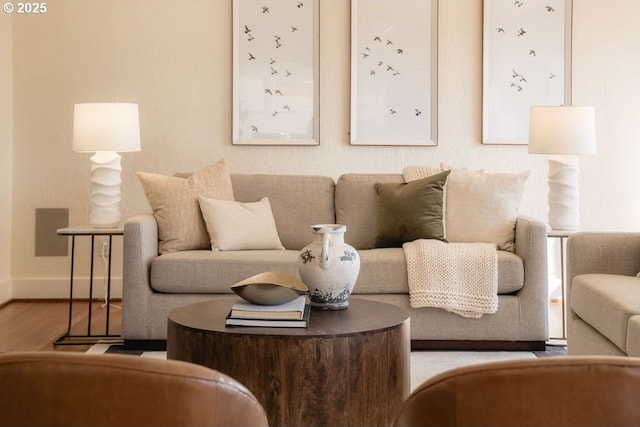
562 236
90 338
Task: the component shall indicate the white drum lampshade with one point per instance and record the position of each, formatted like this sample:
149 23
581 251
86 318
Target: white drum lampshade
106 129
563 132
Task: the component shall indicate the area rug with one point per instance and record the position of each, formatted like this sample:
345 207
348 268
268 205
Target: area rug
424 364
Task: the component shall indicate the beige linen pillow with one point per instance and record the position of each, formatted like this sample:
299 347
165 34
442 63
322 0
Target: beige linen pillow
483 207
174 202
236 226
412 173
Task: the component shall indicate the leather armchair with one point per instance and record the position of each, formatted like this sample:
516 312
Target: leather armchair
75 389
553 391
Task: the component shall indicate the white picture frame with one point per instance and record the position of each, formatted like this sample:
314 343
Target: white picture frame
275 72
526 62
394 58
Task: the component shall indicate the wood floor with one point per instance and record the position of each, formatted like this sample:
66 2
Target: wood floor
35 325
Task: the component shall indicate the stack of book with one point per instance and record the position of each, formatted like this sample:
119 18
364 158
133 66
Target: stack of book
293 314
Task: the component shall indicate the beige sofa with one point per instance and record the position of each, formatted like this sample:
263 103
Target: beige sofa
603 294
154 285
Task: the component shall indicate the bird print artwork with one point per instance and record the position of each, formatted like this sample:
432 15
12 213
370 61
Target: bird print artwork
526 61
393 65
383 56
368 51
271 34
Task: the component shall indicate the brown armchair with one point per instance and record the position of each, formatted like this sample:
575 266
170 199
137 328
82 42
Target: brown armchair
554 391
55 388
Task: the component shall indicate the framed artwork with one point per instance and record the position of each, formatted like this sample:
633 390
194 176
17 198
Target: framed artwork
526 62
394 72
275 72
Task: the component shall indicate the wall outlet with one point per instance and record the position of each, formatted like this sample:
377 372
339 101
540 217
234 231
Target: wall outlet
101 247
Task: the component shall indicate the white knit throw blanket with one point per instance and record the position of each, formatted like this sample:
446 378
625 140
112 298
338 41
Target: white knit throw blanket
459 277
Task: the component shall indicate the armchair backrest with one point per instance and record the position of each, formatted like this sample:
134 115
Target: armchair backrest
554 391
55 388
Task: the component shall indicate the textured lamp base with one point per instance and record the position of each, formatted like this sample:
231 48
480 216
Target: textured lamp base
105 189
564 203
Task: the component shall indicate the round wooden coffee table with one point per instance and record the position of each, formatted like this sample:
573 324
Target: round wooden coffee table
348 367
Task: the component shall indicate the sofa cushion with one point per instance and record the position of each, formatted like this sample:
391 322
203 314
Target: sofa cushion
356 201
297 202
234 226
410 211
606 302
382 271
483 207
174 202
203 271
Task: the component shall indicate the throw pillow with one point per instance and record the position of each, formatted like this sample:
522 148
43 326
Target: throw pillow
410 211
483 207
411 173
235 226
174 202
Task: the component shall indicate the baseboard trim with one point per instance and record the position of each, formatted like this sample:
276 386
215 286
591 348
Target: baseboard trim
5 291
478 345
58 288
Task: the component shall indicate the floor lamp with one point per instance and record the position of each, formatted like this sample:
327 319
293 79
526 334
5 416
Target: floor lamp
563 133
106 129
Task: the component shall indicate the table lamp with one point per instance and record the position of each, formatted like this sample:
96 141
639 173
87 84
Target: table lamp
106 129
563 132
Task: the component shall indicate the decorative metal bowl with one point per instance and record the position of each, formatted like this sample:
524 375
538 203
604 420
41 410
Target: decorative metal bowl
270 288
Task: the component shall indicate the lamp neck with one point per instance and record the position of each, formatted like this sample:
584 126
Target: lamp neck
102 157
564 159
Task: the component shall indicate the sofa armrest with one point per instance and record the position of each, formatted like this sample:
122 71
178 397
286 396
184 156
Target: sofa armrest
601 253
604 253
140 247
531 246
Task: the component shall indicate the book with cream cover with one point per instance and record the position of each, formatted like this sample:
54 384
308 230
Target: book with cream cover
271 323
292 310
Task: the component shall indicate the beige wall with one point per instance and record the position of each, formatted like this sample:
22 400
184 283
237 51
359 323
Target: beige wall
606 66
173 58
6 126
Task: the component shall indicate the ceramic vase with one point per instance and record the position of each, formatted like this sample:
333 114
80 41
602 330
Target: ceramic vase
329 267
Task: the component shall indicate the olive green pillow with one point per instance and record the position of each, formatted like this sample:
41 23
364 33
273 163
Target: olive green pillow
410 211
